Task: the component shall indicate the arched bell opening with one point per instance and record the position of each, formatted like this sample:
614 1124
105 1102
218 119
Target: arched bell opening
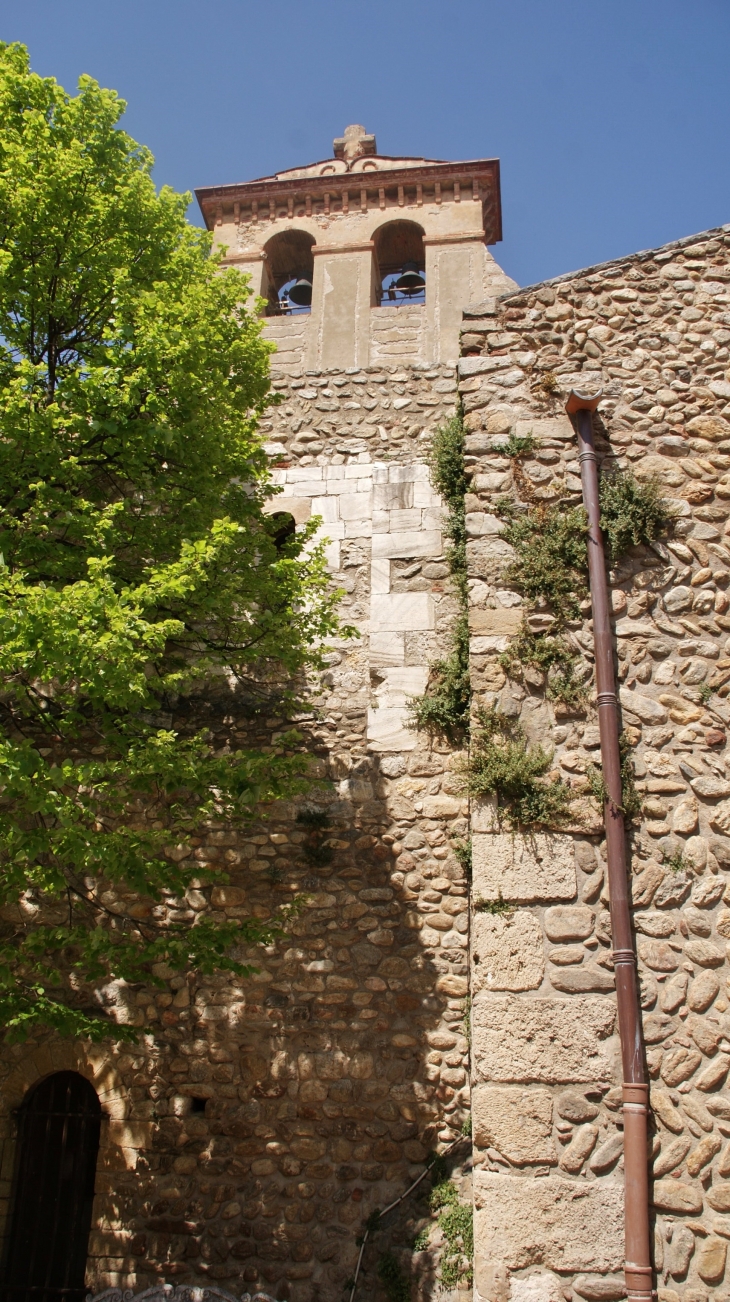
59 1123
290 271
401 264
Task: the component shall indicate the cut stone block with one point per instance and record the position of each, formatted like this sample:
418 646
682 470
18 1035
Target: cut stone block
402 612
300 474
500 622
358 528
386 650
523 869
424 495
326 507
516 1121
379 577
542 1286
353 506
408 543
555 428
550 1041
405 521
401 683
507 952
392 497
547 1222
404 474
387 731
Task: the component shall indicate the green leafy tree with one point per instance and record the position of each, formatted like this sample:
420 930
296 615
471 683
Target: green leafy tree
137 557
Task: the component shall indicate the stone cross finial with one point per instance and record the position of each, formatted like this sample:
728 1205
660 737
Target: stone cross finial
356 143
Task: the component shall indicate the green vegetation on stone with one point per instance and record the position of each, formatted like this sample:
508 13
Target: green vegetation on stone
444 707
677 863
632 513
630 799
503 764
517 445
138 563
456 1222
397 1287
550 565
498 907
550 654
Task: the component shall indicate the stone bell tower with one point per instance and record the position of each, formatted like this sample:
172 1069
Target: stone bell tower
348 224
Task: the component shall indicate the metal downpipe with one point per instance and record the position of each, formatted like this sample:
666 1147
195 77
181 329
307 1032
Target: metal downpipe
637 1264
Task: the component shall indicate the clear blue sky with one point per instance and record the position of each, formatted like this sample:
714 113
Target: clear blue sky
611 117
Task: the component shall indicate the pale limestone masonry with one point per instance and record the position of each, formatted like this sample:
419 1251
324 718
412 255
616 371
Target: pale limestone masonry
653 330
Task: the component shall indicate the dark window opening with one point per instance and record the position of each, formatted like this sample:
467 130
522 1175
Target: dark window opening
400 264
198 1105
58 1141
283 527
290 271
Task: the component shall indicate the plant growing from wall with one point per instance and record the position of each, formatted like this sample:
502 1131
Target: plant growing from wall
550 566
550 654
677 863
463 851
503 764
550 569
467 1019
630 799
550 573
397 1287
518 445
456 1222
499 908
631 513
420 1242
444 707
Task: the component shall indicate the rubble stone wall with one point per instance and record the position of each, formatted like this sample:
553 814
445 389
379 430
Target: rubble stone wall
653 330
247 1139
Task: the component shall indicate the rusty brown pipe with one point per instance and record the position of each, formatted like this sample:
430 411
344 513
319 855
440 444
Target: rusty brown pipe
637 1266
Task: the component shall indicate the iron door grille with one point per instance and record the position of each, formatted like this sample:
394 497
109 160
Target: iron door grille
58 1143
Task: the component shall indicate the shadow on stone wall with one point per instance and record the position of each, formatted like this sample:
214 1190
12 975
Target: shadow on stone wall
280 1111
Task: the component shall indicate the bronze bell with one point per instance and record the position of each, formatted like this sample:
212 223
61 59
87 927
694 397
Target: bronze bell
410 280
301 292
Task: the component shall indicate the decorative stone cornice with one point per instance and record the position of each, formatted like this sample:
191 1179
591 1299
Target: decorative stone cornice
456 237
398 187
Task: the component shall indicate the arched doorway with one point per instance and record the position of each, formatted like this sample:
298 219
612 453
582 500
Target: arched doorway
58 1142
